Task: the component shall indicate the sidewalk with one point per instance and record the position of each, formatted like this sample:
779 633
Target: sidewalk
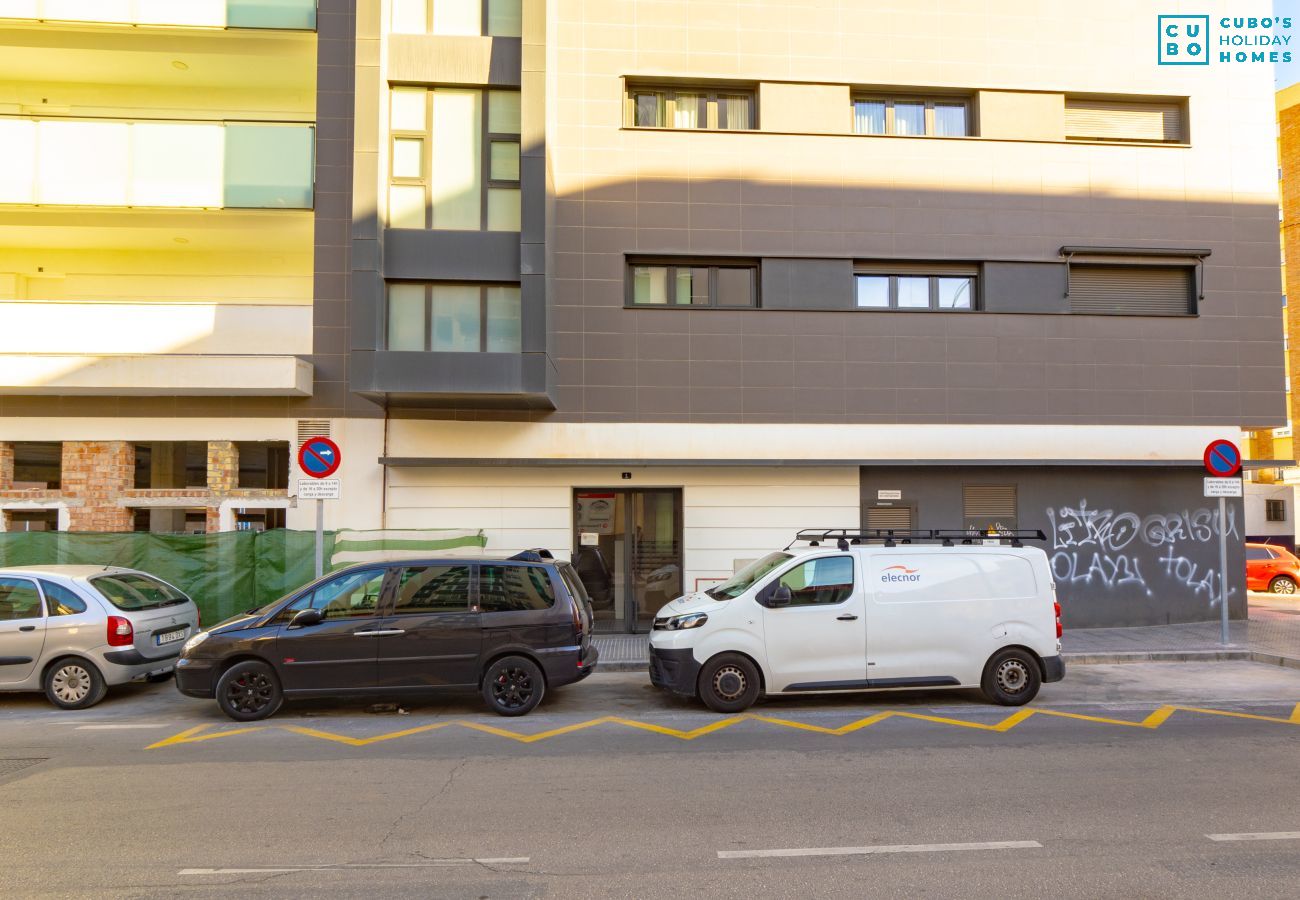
1272 635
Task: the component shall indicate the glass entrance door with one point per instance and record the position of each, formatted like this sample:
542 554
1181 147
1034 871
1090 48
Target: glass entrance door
628 552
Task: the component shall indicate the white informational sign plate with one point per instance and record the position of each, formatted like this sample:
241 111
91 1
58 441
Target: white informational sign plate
589 539
889 495
319 489
1223 487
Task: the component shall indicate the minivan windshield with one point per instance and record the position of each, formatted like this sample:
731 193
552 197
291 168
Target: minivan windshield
131 593
744 579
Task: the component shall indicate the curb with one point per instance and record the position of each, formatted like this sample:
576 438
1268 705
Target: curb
1083 659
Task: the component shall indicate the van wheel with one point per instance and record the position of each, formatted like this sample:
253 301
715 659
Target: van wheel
249 691
729 683
74 684
513 686
1281 585
1011 678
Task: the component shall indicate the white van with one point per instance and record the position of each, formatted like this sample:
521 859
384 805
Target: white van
867 610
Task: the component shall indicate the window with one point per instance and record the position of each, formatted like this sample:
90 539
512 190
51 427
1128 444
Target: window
31 520
514 588
989 508
1158 121
454 318
38 464
433 589
727 109
352 595
692 283
1131 290
497 18
878 290
171 465
1275 510
454 165
1258 553
820 582
61 601
19 599
263 465
912 116
132 593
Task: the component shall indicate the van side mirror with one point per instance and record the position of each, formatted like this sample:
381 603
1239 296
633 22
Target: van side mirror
780 597
305 617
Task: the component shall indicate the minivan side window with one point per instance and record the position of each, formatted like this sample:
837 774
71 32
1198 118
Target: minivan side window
820 582
61 601
19 600
433 589
349 596
514 588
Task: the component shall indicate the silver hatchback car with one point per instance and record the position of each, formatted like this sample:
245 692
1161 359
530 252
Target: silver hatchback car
71 631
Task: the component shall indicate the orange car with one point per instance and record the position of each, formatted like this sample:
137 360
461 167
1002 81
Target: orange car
1271 568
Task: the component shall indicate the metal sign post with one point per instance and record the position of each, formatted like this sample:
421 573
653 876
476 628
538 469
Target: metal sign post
320 458
1223 461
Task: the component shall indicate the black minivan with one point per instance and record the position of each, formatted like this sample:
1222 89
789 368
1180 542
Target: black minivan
510 628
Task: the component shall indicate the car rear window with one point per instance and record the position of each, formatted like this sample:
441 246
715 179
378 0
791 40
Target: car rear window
514 588
131 593
573 583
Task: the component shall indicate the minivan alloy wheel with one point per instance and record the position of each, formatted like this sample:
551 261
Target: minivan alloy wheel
729 682
512 688
251 692
71 683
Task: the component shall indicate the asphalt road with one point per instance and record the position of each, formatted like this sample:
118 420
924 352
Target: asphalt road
1111 788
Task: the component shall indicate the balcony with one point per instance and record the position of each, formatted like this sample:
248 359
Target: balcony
69 162
453 380
297 15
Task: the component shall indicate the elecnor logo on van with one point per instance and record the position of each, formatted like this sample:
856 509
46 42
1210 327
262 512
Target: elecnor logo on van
899 573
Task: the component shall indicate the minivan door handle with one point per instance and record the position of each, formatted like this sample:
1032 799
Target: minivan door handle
847 617
26 627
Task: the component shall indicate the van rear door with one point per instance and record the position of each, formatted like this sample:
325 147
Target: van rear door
932 616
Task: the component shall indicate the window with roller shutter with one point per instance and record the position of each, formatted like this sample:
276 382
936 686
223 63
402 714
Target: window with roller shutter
1132 290
892 518
989 507
1160 121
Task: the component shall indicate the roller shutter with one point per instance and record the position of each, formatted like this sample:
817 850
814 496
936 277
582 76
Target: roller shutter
1115 120
989 507
894 518
1131 290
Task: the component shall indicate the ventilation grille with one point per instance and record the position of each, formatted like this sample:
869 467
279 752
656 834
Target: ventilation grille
312 428
897 518
1114 120
989 501
1131 290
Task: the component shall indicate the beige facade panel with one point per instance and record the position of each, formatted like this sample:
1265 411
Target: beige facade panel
785 106
443 59
154 375
1021 115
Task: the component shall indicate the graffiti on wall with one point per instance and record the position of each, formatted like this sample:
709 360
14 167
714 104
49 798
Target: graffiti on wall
1112 550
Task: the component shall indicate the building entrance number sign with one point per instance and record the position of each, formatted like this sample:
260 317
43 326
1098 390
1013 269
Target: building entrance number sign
1223 463
319 458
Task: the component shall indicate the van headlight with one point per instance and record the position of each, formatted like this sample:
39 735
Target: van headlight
680 623
194 641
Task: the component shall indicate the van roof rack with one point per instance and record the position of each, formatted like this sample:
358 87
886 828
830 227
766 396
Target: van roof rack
537 554
891 537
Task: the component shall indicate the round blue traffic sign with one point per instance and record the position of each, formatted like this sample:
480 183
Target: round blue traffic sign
1222 459
319 457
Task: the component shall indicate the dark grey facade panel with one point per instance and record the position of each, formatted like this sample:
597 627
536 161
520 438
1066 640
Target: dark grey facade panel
495 377
806 283
426 255
1024 287
1127 545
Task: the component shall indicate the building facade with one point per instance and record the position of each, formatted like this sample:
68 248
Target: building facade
655 284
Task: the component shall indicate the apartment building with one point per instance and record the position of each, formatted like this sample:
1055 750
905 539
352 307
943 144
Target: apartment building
656 283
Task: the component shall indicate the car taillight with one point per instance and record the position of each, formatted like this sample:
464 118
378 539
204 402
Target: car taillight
120 632
577 618
199 615
1056 607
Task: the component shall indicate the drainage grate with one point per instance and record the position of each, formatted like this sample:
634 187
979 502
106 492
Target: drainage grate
13 766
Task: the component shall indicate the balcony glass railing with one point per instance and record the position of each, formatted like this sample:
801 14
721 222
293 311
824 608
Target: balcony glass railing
284 14
155 164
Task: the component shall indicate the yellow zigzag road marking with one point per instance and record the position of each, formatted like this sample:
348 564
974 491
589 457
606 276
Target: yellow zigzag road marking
1153 720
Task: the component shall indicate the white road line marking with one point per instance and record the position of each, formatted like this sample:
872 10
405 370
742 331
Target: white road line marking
121 727
1257 836
425 864
884 848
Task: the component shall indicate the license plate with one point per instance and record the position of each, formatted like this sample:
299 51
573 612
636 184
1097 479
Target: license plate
169 637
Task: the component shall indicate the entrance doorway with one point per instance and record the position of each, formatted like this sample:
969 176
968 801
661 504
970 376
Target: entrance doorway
628 553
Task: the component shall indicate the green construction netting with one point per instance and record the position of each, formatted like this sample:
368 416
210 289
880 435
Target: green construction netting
228 572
